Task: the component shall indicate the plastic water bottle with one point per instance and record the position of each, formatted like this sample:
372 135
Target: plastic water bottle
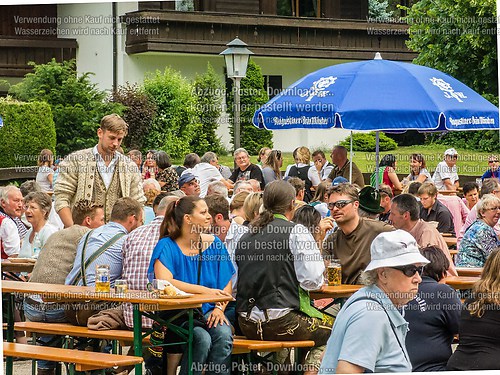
37 246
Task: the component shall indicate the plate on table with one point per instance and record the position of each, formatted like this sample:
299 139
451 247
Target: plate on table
22 260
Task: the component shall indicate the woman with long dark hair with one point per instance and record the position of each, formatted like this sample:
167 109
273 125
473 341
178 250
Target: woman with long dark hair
387 173
197 262
278 263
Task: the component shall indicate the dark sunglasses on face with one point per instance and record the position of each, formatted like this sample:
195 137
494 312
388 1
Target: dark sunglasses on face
339 204
492 161
410 270
454 157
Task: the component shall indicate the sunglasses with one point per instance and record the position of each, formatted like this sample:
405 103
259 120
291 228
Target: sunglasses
410 270
492 161
278 154
339 204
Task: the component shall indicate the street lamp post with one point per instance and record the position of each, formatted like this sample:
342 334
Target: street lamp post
236 56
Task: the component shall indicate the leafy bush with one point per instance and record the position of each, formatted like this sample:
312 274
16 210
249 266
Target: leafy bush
139 114
176 124
27 129
366 142
253 96
209 90
77 106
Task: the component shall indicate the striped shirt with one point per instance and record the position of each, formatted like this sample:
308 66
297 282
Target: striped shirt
112 256
136 252
21 227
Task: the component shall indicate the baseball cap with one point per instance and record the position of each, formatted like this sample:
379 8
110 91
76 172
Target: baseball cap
451 152
186 177
393 249
339 180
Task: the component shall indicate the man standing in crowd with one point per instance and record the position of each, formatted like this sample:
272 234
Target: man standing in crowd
404 215
342 167
12 229
445 176
350 243
100 174
245 170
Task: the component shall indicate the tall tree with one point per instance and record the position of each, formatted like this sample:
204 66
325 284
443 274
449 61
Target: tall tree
459 37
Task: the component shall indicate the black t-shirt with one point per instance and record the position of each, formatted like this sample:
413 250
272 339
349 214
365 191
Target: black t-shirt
479 347
433 318
252 172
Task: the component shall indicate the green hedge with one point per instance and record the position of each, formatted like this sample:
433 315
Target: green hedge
27 129
366 142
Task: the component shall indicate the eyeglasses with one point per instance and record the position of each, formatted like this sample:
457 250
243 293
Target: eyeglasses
454 157
340 204
492 161
278 154
493 208
410 270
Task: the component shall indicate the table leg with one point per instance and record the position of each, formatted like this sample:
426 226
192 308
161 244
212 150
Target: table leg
190 341
137 318
10 331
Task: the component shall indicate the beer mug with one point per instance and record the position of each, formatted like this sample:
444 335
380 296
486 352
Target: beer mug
121 286
102 276
334 273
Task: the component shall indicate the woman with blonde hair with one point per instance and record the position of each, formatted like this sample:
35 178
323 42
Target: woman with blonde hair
236 207
45 174
271 167
300 169
479 324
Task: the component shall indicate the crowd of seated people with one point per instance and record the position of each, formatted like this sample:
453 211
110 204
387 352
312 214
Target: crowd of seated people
163 219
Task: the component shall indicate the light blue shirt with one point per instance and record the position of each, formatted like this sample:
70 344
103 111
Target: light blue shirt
362 335
112 256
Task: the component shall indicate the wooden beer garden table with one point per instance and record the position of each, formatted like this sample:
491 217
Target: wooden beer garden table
338 291
469 271
143 303
461 282
24 266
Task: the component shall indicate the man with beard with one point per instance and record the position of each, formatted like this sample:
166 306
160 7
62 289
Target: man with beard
100 174
350 243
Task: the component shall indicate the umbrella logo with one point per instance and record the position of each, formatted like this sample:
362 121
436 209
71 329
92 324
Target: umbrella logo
318 88
448 91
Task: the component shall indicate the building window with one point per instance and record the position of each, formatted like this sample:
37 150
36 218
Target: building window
273 85
297 8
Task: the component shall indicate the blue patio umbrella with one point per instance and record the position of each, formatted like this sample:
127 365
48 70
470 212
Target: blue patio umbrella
378 95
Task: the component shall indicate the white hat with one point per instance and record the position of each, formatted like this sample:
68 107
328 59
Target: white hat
451 152
393 249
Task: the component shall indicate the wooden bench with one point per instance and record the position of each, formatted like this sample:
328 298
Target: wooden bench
241 344
83 360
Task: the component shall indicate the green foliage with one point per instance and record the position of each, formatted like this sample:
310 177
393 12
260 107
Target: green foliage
366 142
209 90
253 96
176 124
28 128
379 9
139 113
77 106
459 37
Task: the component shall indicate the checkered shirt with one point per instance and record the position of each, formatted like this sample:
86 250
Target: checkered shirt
136 251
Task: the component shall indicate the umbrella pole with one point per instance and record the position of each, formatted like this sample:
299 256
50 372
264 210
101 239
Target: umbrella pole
377 137
350 162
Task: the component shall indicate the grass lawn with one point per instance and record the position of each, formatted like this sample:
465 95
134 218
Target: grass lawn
470 163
